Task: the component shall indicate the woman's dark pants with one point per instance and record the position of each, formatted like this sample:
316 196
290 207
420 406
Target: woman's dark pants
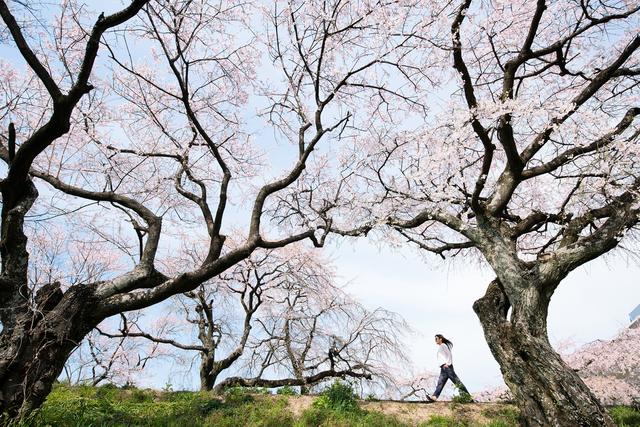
447 373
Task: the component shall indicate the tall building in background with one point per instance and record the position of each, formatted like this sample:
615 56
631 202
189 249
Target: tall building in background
634 317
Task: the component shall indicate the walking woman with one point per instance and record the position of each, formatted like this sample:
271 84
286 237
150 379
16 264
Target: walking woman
446 367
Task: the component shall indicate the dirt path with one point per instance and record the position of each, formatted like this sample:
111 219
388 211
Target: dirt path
414 413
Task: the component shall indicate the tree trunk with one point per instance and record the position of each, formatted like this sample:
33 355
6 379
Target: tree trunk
304 388
35 350
207 375
546 390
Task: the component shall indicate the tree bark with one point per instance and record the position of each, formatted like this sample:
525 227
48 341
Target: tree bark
33 357
546 390
207 378
304 388
281 382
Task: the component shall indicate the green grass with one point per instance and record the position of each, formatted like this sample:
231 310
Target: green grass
110 406
625 416
502 417
326 417
259 411
508 417
444 421
337 406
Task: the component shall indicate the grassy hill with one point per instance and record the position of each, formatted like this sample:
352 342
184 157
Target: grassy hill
112 406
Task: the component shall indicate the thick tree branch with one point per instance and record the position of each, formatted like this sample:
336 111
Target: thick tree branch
599 80
154 222
130 334
505 130
619 215
58 124
572 153
308 380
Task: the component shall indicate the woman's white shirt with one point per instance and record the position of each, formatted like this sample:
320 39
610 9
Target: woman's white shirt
444 355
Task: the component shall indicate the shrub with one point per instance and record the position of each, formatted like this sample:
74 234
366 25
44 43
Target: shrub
140 396
128 385
315 416
237 396
462 398
261 411
287 391
338 397
107 391
91 406
625 416
378 419
108 386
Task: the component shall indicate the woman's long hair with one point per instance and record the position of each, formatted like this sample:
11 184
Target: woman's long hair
444 340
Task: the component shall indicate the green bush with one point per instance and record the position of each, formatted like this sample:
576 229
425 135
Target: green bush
378 419
287 391
106 406
338 397
237 396
462 397
314 416
108 386
107 391
140 396
625 416
262 411
337 406
128 386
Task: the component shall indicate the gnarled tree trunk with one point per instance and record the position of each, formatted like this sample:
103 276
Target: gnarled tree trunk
34 355
547 391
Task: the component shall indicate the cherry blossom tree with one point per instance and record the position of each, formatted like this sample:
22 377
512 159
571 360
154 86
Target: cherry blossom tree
274 320
311 331
30 357
611 368
148 147
530 163
524 152
211 314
